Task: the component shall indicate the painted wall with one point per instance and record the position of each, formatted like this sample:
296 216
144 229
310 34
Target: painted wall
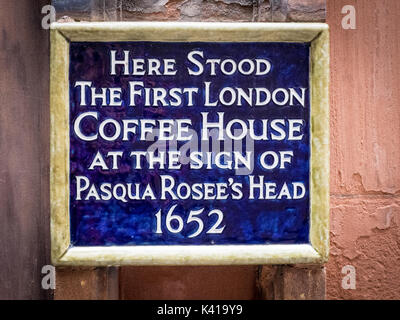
365 150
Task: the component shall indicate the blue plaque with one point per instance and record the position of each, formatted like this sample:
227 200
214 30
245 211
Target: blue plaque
130 219
189 144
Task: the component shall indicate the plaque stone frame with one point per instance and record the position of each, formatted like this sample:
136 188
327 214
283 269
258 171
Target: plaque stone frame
317 251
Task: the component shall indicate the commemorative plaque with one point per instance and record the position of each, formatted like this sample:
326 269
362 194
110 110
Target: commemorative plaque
189 143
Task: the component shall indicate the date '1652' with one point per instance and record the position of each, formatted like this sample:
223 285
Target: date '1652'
175 223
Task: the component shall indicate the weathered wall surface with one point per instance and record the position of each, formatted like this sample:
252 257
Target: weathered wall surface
365 152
